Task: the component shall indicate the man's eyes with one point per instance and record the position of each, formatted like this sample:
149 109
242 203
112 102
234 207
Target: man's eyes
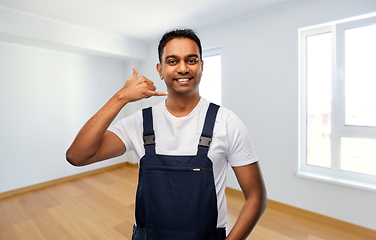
189 61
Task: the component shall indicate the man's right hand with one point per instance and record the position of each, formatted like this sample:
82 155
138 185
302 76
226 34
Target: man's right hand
137 88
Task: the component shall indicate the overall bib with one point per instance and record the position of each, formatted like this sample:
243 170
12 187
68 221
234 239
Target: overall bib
176 196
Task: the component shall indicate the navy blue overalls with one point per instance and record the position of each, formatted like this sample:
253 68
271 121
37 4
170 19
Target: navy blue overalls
176 197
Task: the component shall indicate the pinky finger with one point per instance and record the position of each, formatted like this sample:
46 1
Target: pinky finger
159 93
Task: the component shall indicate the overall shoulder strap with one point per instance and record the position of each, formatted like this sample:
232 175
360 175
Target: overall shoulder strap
207 131
148 135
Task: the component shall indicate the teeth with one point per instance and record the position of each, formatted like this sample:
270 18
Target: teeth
183 80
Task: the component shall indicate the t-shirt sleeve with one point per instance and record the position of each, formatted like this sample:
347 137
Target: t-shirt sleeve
241 151
129 130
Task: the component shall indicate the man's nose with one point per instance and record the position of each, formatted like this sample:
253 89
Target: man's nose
183 68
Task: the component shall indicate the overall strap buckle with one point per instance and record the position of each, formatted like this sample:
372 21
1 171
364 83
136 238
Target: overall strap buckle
205 141
149 140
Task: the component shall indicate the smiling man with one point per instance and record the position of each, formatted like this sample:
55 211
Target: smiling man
184 145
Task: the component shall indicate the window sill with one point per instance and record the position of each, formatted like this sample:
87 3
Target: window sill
338 181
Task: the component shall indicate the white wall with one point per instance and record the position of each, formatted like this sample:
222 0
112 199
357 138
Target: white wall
47 95
45 98
260 84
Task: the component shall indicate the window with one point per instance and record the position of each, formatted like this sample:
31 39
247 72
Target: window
338 103
211 80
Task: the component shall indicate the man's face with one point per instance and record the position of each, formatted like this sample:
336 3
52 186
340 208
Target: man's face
181 66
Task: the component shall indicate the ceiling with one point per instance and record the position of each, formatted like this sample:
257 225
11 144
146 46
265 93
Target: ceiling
141 20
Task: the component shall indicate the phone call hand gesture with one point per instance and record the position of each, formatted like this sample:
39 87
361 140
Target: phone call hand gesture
138 87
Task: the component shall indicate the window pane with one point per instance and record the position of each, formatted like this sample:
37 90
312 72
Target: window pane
360 76
319 72
211 80
358 155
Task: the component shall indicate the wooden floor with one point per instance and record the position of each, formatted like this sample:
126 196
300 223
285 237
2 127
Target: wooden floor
101 206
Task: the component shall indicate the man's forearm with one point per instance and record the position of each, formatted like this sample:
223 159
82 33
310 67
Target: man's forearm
89 137
248 217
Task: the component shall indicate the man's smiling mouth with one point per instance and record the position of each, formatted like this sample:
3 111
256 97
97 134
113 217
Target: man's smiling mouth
182 79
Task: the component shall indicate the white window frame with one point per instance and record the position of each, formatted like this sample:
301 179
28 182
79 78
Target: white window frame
338 127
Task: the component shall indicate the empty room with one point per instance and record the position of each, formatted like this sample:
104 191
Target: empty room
291 84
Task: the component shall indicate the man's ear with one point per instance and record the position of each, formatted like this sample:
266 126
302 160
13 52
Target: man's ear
159 70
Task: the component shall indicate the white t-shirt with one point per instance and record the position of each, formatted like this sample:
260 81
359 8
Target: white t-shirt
231 143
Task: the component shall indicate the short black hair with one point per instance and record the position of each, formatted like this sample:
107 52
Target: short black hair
178 33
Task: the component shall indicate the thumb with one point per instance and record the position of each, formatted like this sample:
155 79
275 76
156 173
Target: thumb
135 72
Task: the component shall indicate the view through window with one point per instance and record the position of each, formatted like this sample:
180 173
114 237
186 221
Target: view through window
211 80
319 99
